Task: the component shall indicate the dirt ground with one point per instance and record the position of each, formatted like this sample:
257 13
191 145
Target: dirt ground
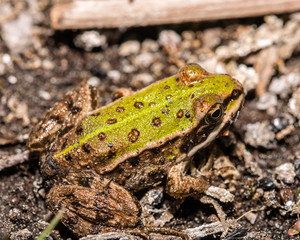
262 152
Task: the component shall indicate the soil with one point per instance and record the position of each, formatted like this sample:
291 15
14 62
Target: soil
263 146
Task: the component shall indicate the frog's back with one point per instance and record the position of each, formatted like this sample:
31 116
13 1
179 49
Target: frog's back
138 122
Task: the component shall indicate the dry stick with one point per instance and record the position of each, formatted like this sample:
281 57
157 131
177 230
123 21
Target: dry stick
74 14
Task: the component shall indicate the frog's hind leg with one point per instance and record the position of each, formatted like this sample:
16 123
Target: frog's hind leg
93 204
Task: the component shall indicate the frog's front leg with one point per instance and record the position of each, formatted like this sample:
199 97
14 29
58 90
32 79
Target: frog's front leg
180 184
93 204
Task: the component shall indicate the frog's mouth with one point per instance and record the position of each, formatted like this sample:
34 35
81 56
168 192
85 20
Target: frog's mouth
229 118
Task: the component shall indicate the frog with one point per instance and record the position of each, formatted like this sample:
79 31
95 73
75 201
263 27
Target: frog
95 159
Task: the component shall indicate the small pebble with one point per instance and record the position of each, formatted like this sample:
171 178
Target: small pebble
17 33
153 197
266 183
285 172
144 59
294 104
143 79
287 196
260 134
2 69
296 208
169 38
6 59
48 65
251 217
157 68
129 48
12 79
246 75
114 75
44 94
271 199
149 45
267 101
283 85
94 81
89 40
283 121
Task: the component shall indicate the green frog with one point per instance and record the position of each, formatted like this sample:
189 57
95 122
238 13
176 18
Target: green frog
96 158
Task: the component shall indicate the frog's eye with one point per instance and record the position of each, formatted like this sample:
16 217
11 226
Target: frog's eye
214 114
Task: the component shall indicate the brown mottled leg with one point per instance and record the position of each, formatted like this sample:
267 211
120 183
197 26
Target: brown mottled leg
93 204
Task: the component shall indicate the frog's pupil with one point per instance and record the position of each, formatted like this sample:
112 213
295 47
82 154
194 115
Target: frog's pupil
216 113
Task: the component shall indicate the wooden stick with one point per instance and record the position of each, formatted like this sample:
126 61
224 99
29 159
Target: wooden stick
75 14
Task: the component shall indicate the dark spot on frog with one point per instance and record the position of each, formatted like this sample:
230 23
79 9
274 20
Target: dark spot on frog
187 114
86 148
65 130
96 114
112 151
152 104
155 150
235 93
180 113
94 97
110 145
111 121
164 111
166 87
138 105
57 118
75 110
72 220
68 157
191 85
168 97
184 148
45 140
69 102
120 109
156 122
79 130
75 203
85 181
226 84
133 135
134 161
101 136
192 95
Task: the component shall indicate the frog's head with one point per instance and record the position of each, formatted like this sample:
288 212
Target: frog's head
216 103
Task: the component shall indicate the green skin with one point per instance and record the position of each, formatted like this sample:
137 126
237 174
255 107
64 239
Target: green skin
169 97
